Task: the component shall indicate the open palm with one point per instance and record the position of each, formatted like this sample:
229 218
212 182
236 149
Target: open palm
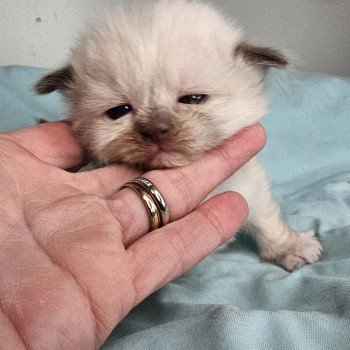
74 254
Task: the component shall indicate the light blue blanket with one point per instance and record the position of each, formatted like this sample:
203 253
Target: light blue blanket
231 300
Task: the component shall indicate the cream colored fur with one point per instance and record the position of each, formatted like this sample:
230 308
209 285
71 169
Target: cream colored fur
149 56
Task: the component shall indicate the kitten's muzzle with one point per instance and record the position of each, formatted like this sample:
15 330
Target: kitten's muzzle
157 133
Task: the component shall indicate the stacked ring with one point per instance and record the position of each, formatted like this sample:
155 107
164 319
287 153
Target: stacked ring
157 208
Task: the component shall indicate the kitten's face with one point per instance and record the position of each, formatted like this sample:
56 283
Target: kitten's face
157 88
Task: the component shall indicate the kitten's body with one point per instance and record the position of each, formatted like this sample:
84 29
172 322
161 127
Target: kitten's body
149 61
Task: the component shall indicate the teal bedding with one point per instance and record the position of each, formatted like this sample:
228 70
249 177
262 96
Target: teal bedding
232 300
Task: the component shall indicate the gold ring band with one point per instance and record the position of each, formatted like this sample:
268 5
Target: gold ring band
158 211
152 209
158 198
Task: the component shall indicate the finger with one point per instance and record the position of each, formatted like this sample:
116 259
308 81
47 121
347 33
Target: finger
103 182
185 187
167 253
53 143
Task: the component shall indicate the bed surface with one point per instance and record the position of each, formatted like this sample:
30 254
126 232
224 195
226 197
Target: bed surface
231 300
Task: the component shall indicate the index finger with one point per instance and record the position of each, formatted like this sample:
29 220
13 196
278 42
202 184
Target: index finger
185 187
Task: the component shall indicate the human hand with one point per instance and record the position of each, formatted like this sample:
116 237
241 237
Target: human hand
74 254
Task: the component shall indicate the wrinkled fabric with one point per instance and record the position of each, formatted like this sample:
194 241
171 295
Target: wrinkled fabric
232 300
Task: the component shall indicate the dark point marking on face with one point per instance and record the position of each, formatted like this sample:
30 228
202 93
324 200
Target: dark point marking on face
264 57
61 80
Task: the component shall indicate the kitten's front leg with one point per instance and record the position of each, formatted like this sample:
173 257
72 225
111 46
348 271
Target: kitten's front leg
277 241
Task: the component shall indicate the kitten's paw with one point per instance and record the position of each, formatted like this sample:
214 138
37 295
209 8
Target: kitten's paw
307 250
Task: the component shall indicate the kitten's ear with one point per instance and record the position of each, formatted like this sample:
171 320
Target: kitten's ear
264 57
61 80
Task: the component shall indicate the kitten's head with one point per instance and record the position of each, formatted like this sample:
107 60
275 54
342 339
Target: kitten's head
158 85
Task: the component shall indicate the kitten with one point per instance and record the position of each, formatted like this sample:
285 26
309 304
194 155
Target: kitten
157 85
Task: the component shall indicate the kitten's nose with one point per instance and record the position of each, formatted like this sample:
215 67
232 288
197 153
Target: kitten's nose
156 132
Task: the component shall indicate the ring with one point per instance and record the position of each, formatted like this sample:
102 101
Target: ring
152 209
158 198
158 211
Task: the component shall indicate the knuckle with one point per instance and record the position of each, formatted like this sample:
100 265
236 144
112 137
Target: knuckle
182 189
226 160
176 187
211 219
183 253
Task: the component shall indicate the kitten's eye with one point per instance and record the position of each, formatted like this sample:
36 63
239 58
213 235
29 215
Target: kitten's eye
193 99
119 111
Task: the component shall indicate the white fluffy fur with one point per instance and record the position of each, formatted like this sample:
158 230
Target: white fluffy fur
139 57
151 55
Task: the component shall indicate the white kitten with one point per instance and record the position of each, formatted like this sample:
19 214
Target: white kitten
157 85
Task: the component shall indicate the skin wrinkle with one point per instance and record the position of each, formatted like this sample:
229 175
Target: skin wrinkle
183 186
49 206
113 207
180 248
68 272
18 282
212 219
8 234
141 288
227 160
134 276
15 327
113 234
8 168
81 198
98 181
11 141
13 320
129 216
78 218
52 173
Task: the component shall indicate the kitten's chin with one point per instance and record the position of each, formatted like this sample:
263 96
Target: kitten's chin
166 159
